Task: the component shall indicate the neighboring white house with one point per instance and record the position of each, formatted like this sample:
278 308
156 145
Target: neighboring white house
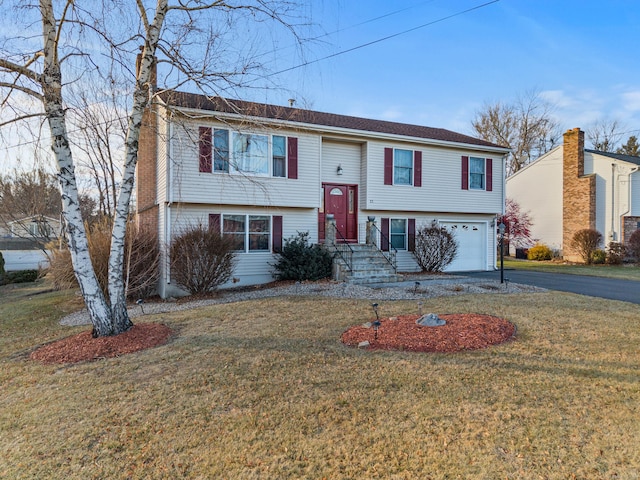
22 242
263 173
572 188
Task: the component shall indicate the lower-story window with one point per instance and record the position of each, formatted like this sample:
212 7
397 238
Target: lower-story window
398 233
250 232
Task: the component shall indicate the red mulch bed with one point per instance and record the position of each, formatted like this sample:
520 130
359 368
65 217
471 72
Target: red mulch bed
465 331
83 347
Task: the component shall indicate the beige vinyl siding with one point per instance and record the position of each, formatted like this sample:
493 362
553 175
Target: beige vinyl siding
192 186
344 154
538 190
251 268
441 189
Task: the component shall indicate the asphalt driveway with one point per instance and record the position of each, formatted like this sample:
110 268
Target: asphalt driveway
610 288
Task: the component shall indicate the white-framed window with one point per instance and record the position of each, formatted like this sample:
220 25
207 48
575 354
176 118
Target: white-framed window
251 233
477 173
220 150
398 233
402 167
250 153
279 156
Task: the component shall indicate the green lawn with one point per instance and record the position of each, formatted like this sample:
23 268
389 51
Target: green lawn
628 271
265 389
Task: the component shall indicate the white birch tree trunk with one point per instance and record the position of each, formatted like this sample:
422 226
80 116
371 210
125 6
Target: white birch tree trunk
51 81
141 100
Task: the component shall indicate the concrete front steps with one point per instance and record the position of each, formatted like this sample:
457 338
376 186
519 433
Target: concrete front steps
368 265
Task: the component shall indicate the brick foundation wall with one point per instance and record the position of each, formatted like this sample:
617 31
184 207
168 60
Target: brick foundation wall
578 192
629 225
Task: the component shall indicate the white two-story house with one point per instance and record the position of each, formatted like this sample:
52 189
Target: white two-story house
264 172
572 188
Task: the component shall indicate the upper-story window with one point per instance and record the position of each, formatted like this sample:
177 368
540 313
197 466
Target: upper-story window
402 167
250 153
477 173
279 149
220 150
231 152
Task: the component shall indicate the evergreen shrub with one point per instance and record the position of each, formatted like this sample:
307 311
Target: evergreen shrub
301 261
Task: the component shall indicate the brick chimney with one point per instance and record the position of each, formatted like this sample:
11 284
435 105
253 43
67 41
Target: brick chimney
146 169
578 192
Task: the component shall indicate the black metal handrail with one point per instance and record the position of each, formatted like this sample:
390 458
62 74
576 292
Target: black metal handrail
347 256
387 255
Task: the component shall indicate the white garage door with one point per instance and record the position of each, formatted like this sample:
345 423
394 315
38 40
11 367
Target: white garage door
472 245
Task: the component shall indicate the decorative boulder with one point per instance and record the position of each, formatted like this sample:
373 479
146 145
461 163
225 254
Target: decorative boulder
430 320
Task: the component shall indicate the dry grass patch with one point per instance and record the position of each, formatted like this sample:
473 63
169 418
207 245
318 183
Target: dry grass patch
265 389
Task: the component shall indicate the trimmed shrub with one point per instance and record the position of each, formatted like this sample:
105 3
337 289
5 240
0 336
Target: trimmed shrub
201 259
585 242
633 248
435 248
301 261
539 252
599 256
615 253
19 276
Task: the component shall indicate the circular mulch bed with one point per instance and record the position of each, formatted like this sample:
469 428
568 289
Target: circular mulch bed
465 331
83 347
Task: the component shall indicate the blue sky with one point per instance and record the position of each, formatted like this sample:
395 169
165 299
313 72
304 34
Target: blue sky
580 55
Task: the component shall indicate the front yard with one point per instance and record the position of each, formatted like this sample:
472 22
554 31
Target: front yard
626 271
265 389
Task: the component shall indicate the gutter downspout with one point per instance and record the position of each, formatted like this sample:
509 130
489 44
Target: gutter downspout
612 234
167 223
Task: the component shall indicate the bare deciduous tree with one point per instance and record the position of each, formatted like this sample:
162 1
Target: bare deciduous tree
526 126
46 47
605 135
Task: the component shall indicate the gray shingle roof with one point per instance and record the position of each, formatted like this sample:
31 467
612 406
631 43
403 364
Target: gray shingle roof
617 156
298 115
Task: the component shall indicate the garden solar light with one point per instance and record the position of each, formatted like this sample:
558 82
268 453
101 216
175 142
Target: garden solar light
415 289
376 325
375 310
139 302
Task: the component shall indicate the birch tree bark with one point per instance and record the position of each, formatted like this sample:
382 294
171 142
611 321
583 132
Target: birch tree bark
51 83
75 35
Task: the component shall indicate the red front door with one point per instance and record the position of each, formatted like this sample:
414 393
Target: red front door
341 201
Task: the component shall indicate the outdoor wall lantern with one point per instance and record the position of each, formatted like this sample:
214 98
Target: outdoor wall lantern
339 170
